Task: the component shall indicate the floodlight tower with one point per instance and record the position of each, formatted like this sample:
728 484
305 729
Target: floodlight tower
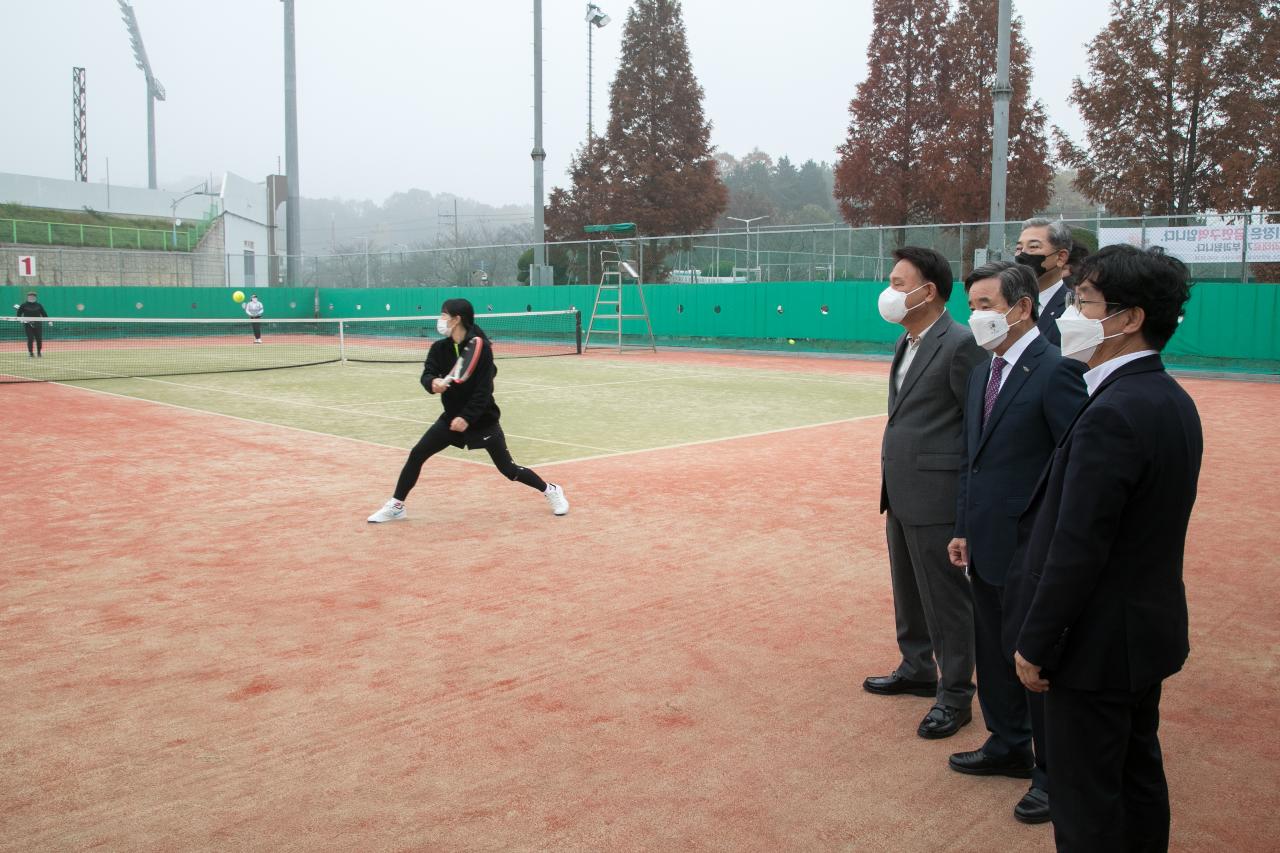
596 18
80 131
155 92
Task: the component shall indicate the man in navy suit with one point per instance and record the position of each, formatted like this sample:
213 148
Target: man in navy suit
1045 246
1102 542
1019 405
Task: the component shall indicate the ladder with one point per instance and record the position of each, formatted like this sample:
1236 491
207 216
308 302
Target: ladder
609 297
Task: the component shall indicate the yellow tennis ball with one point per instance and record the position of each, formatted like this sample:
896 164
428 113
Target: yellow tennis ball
791 341
238 296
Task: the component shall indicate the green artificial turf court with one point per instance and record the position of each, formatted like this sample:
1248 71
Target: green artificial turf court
554 409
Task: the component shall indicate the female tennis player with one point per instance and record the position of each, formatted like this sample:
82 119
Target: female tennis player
460 368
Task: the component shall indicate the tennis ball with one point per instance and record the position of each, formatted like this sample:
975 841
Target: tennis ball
791 341
238 296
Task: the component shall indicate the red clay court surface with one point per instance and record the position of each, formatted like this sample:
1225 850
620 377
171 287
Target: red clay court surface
206 647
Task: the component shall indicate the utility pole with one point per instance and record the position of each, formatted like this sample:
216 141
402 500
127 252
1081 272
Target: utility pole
292 208
538 154
1001 92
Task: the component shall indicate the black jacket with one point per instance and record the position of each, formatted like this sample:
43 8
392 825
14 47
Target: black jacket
471 400
1099 596
31 309
1003 460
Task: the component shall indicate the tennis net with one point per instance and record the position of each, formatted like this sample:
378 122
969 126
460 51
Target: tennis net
79 348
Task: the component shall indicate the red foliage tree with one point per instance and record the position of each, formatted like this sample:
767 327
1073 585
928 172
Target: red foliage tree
1179 109
880 177
961 156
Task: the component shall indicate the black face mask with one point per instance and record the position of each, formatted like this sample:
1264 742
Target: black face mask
1036 262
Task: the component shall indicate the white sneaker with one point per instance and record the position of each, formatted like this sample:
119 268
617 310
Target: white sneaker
555 497
392 510
258 341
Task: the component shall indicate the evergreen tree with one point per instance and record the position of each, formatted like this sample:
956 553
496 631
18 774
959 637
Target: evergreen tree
655 165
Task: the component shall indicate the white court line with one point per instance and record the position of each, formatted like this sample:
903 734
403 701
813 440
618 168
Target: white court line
252 421
710 440
606 455
270 399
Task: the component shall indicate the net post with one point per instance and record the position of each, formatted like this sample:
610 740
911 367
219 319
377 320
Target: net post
342 340
577 330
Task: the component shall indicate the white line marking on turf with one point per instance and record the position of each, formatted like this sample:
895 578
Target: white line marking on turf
712 440
249 420
270 399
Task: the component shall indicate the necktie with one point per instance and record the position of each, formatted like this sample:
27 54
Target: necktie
993 388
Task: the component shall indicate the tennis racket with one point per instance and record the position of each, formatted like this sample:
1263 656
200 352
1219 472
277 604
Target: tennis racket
466 363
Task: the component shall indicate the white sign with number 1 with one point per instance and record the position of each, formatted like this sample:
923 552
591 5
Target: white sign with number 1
26 266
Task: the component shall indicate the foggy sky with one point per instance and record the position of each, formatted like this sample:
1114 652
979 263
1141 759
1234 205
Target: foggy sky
435 95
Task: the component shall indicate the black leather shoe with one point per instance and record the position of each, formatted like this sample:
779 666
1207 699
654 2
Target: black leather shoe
943 721
977 763
1033 807
894 684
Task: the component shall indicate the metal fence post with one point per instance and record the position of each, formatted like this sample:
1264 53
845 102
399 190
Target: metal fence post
1244 249
880 253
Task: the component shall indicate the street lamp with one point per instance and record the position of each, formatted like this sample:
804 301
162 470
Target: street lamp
203 189
747 222
596 18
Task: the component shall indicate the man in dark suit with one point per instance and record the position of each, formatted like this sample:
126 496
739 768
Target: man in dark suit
920 462
1103 542
1045 246
1019 405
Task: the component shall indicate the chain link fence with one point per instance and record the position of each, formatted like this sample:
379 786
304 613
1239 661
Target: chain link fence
1241 247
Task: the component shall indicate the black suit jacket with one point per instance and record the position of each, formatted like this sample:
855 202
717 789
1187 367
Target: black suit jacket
1004 459
1100 579
1047 324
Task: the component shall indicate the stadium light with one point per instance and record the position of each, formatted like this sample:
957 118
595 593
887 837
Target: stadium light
596 18
155 91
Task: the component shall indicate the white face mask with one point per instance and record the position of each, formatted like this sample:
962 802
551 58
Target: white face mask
990 328
893 304
442 325
1082 336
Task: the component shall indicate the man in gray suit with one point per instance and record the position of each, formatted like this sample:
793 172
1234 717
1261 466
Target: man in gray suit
920 461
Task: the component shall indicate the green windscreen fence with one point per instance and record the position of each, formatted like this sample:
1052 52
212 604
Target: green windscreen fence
1229 325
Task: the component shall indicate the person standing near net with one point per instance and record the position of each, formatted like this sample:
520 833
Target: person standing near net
254 309
460 369
35 332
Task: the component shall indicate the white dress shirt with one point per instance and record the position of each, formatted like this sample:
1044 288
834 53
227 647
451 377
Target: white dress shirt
1013 354
909 354
1095 377
1047 294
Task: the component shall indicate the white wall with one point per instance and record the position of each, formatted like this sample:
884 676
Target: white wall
77 195
246 208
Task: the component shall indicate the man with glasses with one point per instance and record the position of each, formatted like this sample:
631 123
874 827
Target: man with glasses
1100 551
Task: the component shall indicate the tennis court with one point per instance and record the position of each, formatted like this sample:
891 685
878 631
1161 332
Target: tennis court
219 653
